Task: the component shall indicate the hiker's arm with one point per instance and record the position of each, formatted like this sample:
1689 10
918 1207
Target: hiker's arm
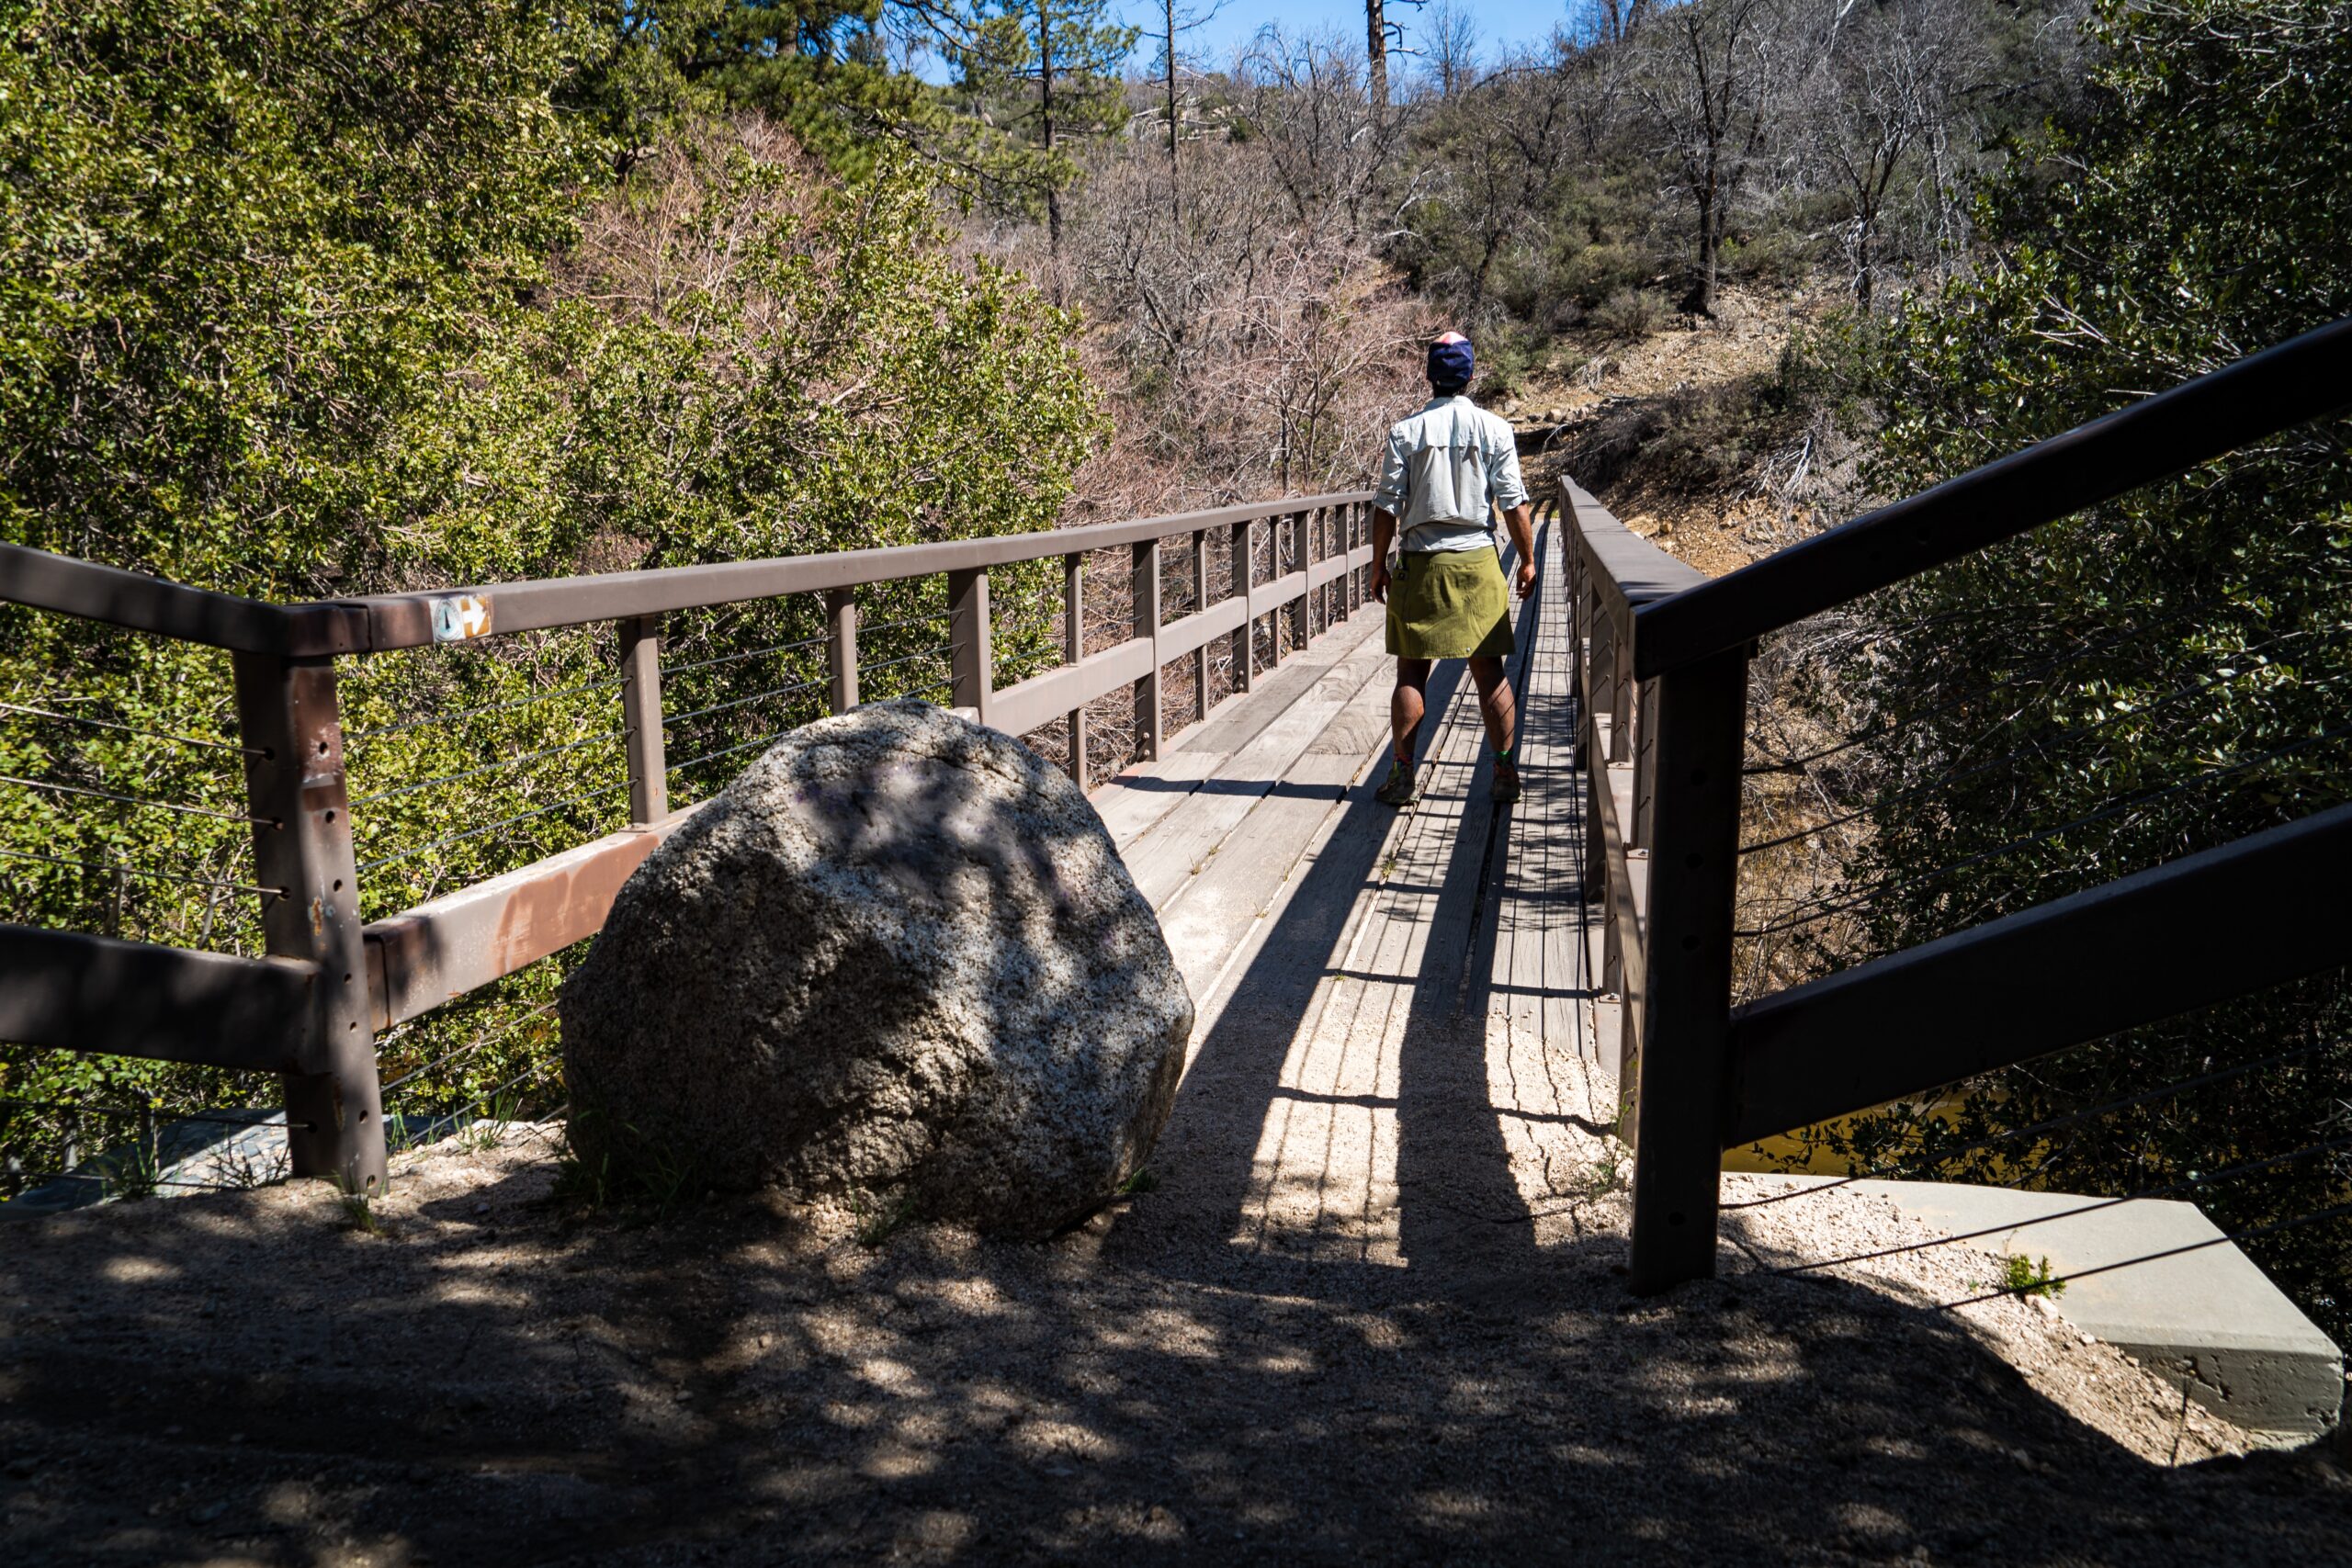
1520 521
1384 528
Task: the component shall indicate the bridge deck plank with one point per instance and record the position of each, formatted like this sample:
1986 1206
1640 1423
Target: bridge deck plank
1375 985
1140 797
1181 843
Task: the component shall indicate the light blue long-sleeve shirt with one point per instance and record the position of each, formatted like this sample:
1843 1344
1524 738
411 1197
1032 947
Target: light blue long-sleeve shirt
1446 469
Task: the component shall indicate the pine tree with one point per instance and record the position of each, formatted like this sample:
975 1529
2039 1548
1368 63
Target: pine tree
1064 57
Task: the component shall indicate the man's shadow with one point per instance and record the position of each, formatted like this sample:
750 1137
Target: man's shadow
1460 1213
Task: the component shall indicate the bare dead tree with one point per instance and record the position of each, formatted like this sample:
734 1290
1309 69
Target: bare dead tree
1454 48
1710 77
1383 38
1513 134
1175 22
1879 106
1328 143
1245 352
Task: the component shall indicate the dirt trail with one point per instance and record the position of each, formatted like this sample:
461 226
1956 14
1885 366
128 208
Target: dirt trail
497 1379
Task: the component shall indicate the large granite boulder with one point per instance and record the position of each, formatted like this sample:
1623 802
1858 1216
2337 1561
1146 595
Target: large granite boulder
898 961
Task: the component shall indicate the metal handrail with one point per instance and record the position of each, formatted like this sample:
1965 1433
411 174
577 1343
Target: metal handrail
383 622
331 984
1660 667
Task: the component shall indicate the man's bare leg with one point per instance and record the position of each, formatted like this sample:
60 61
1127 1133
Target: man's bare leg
1409 702
1406 706
1499 709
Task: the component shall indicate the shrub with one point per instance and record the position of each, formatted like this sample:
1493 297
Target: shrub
1631 312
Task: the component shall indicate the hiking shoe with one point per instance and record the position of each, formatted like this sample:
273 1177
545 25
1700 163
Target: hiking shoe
1403 787
1505 789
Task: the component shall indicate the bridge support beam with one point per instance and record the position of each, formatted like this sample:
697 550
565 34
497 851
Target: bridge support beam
1699 716
971 663
841 648
648 774
295 790
1149 732
1243 551
1074 651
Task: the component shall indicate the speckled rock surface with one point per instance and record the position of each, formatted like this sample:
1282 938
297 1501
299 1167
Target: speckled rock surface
897 962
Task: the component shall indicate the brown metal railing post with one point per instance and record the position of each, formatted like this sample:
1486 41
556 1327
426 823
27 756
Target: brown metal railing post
1301 523
1245 653
649 782
1310 551
1200 603
841 648
1145 578
1277 541
295 786
1355 542
1579 633
1700 714
970 660
1073 650
1621 692
1600 692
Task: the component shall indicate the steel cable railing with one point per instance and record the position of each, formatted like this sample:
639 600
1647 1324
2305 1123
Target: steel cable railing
2107 813
52 787
503 765
482 710
1953 1153
1879 731
486 829
84 721
125 869
733 703
2054 729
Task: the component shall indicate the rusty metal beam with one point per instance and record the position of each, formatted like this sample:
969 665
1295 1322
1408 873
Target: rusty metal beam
1074 652
1627 570
971 661
72 992
648 777
94 593
1144 576
437 951
841 648
295 788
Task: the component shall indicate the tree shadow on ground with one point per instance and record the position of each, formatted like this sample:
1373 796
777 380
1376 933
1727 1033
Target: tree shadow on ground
225 1379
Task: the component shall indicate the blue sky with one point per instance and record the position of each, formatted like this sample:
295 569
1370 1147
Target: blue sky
1502 22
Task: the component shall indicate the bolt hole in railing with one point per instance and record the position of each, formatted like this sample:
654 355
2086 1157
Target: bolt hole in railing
1981 888
364 792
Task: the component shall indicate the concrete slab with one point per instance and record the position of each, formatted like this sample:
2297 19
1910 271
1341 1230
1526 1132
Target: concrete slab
2158 1279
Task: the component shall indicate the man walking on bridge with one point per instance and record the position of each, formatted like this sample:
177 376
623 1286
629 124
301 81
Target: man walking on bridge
1449 469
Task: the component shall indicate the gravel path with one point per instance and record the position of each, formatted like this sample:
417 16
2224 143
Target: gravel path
499 1378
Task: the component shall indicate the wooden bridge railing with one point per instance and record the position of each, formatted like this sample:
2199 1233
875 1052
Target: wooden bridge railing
313 1009
1662 669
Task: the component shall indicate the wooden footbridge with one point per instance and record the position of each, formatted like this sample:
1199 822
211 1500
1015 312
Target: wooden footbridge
1564 963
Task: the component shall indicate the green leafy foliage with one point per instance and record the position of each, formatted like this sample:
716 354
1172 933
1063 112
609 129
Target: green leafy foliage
317 301
2151 677
2024 1276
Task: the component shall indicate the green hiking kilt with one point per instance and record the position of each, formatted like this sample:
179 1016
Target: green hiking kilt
1450 604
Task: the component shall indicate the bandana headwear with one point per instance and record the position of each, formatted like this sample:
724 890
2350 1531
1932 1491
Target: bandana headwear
1452 360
